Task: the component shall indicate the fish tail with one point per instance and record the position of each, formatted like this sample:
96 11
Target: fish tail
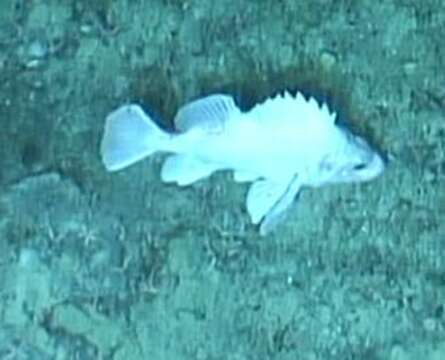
129 136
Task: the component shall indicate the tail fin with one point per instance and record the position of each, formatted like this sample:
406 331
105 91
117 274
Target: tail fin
129 136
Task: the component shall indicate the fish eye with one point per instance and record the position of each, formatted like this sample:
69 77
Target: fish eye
359 166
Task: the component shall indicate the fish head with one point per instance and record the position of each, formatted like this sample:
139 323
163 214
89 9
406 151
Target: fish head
353 160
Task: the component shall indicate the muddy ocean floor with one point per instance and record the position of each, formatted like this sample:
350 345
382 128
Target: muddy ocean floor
120 266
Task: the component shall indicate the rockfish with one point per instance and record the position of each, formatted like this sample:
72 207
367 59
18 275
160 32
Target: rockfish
281 145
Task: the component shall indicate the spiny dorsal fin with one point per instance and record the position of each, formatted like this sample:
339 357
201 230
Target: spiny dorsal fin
293 107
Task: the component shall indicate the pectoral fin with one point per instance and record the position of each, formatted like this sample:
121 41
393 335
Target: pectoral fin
278 211
267 202
261 198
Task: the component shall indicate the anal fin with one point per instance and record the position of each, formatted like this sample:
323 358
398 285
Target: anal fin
185 170
244 176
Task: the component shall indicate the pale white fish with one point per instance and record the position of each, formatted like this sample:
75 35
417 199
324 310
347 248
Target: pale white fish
280 145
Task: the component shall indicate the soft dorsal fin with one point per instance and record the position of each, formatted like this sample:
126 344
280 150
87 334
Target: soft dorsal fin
210 113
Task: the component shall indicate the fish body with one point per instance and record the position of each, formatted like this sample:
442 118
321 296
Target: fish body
281 145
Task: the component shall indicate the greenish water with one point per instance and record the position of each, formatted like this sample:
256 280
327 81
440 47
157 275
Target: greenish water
121 266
